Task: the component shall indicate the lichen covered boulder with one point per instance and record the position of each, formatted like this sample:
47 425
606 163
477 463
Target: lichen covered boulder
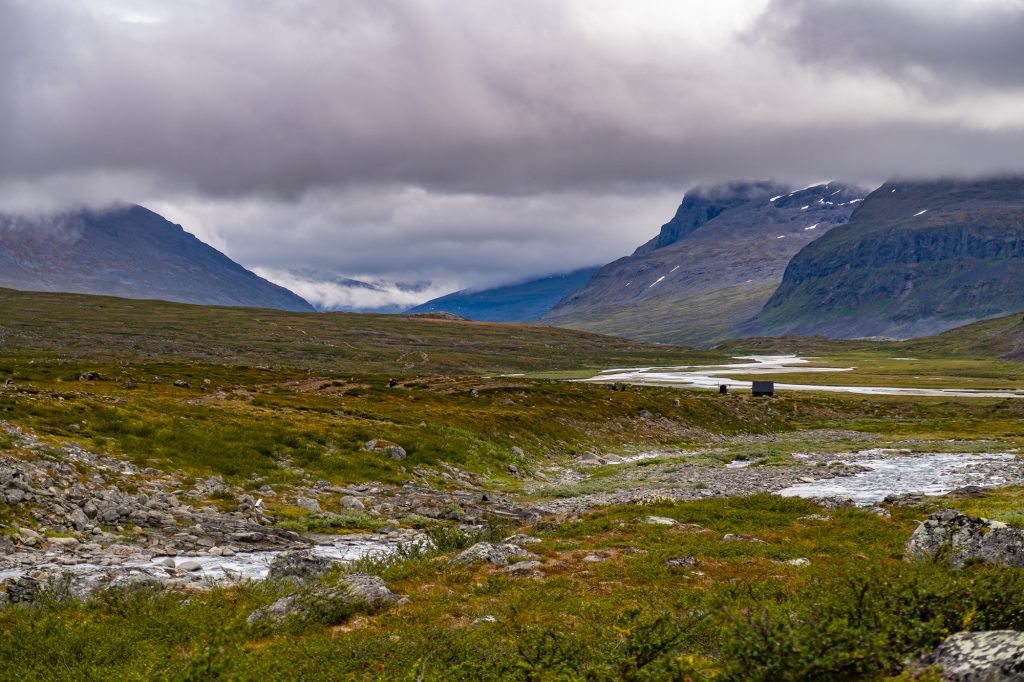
994 656
956 537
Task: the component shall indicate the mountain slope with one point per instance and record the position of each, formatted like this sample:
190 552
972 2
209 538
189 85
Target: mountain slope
916 258
523 302
712 266
132 252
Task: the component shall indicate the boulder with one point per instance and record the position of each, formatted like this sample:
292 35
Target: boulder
89 376
353 503
24 591
307 503
394 449
331 603
181 383
991 656
660 521
496 555
956 537
302 565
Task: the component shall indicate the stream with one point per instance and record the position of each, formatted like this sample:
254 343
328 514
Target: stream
711 376
926 474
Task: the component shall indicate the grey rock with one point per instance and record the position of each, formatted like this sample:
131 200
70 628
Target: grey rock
660 521
683 561
189 566
307 503
396 451
181 383
354 503
14 495
520 539
991 656
485 552
24 591
301 565
330 603
89 376
957 537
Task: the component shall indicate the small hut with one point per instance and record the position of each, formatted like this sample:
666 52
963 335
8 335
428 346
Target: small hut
763 388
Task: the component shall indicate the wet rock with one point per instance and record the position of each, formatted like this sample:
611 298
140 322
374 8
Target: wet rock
356 591
991 656
485 552
300 565
957 537
189 566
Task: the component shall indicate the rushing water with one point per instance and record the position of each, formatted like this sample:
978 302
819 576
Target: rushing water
931 474
244 565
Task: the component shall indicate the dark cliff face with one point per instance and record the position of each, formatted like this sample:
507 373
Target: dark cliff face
703 204
725 254
131 252
915 258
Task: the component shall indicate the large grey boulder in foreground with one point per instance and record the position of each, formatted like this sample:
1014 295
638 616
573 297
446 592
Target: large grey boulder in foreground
957 537
353 592
994 656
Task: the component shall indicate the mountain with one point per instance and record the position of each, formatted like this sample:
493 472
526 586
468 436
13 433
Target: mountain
525 302
711 267
916 258
132 252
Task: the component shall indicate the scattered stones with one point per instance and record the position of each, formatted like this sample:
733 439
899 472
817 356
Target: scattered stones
89 376
23 591
815 517
660 521
991 656
957 537
739 537
594 558
682 561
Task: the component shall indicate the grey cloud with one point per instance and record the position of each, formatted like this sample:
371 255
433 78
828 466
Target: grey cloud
940 47
478 142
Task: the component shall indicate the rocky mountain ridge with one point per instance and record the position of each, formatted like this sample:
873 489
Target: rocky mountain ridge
711 267
131 252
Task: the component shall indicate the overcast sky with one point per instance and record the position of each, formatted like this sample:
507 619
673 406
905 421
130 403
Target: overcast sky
470 143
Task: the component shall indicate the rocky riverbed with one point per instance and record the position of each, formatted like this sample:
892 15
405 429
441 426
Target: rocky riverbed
102 521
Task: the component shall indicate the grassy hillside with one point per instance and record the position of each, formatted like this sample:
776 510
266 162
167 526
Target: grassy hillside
40 325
